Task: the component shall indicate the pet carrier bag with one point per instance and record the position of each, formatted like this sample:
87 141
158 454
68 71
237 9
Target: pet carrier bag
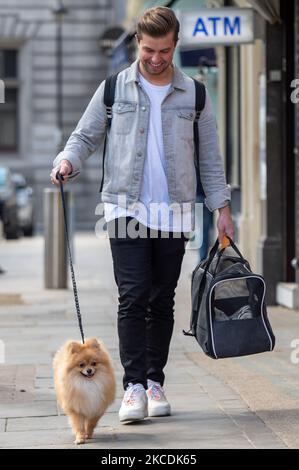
229 316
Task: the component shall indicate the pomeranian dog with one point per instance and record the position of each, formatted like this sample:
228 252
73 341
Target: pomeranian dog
85 384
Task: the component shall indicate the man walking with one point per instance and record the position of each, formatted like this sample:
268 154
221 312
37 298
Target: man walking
149 162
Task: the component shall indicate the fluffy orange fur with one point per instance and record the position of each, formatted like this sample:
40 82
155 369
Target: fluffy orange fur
85 384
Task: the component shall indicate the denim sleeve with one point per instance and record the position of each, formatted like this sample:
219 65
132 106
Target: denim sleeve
211 166
89 133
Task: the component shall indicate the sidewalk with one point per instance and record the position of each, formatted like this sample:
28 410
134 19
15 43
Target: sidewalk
250 402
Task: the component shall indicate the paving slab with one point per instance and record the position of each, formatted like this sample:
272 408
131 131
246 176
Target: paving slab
34 408
22 439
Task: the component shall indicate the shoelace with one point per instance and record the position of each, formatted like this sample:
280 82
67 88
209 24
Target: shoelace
131 393
156 392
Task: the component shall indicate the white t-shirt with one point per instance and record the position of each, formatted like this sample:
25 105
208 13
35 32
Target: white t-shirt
152 209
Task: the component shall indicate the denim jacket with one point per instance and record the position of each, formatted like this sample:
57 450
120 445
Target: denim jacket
127 142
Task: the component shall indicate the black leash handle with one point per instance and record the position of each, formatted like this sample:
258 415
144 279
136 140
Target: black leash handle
60 179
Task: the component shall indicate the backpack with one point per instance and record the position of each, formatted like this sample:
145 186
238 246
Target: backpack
229 315
109 94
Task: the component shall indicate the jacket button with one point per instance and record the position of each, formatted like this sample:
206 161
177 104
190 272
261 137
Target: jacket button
141 130
143 108
139 153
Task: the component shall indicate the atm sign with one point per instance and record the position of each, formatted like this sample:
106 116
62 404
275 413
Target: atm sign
216 26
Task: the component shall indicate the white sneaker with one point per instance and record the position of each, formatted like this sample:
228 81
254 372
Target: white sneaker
134 404
157 402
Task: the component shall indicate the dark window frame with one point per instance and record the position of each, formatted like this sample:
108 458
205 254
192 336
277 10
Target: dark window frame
11 82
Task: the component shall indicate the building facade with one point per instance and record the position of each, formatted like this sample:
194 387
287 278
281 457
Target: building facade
51 63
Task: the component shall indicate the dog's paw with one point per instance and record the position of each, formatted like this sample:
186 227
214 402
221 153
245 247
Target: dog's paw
80 439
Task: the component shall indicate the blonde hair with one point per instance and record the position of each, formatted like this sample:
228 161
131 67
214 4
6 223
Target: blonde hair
157 22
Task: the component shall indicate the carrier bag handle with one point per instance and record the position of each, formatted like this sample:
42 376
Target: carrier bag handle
224 244
212 254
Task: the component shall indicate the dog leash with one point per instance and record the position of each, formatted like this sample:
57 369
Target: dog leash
60 179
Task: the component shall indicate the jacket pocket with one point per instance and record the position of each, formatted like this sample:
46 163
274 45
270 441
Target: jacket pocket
189 115
123 116
185 119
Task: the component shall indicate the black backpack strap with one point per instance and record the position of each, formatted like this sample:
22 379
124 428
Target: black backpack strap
200 101
109 94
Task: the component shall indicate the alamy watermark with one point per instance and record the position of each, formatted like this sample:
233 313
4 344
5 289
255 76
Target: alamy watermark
295 93
295 353
156 220
2 91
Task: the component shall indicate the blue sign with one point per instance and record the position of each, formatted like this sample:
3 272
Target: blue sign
216 26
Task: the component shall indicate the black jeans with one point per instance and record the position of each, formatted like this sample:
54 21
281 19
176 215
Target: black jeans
146 271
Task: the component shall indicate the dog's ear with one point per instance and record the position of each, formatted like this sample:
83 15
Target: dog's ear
73 347
93 343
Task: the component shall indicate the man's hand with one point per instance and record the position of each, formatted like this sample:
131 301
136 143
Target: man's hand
65 169
225 223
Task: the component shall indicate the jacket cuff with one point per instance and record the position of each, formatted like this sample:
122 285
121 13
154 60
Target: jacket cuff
219 199
75 161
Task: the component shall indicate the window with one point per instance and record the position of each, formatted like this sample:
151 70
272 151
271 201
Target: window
8 63
9 109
